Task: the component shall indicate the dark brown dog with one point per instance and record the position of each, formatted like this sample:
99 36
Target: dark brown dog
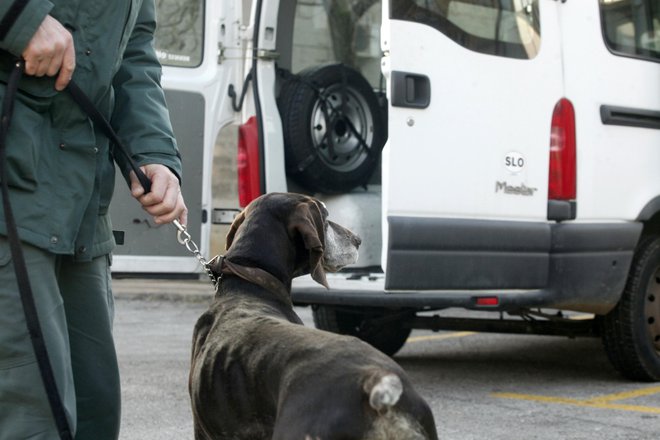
258 373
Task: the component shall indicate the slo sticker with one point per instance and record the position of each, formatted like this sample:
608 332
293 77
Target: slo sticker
514 162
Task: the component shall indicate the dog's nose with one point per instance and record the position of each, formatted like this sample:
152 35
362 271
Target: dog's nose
357 241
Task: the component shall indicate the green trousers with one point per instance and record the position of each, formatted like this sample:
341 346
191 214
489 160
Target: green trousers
75 306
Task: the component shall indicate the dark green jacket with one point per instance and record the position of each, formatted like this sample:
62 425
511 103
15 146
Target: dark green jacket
61 171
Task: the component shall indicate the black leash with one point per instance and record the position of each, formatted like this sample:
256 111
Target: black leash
22 279
95 115
27 299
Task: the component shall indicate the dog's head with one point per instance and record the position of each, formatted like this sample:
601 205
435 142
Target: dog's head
321 245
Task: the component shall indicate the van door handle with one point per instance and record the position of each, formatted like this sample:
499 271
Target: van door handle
629 117
411 90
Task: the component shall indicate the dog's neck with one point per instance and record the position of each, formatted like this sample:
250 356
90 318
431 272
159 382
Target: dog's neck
257 276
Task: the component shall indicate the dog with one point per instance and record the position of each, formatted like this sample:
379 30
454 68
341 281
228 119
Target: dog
258 373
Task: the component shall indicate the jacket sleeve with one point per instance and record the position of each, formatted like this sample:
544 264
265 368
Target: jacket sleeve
140 115
19 20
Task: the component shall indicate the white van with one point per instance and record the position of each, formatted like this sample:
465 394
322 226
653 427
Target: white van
494 155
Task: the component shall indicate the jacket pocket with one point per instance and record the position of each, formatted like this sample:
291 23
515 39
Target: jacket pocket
25 139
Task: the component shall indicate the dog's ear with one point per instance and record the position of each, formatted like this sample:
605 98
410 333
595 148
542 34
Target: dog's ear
307 221
238 221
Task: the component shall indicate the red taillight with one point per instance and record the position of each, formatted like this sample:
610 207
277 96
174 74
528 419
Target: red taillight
562 179
249 182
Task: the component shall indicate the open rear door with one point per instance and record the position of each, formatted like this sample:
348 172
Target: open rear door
260 103
471 86
199 45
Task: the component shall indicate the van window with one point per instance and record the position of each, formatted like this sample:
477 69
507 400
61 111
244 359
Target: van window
509 29
337 31
179 38
632 27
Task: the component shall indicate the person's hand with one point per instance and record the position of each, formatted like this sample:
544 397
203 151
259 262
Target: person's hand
164 202
51 52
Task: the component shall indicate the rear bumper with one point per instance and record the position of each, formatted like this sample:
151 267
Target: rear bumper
451 263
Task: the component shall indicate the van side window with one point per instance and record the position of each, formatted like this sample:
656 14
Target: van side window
632 27
338 31
179 38
510 29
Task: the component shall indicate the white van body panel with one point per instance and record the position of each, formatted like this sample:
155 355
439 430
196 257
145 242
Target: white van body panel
617 165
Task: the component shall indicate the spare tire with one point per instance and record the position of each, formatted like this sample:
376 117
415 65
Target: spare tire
334 128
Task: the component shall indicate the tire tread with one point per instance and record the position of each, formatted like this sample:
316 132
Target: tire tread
621 339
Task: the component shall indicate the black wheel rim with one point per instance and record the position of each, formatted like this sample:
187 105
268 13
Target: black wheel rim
652 310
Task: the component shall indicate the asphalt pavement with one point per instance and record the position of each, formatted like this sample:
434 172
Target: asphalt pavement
479 386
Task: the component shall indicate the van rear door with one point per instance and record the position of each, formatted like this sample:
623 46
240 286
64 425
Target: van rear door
198 42
471 86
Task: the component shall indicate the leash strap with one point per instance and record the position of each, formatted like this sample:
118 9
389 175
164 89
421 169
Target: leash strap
95 115
27 298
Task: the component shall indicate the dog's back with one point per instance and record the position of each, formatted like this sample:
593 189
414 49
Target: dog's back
273 378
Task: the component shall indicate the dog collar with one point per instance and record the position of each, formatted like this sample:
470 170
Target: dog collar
256 276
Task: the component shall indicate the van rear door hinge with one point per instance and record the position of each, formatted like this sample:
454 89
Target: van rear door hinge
267 55
221 52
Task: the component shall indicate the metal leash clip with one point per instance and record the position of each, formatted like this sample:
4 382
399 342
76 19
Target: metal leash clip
184 238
